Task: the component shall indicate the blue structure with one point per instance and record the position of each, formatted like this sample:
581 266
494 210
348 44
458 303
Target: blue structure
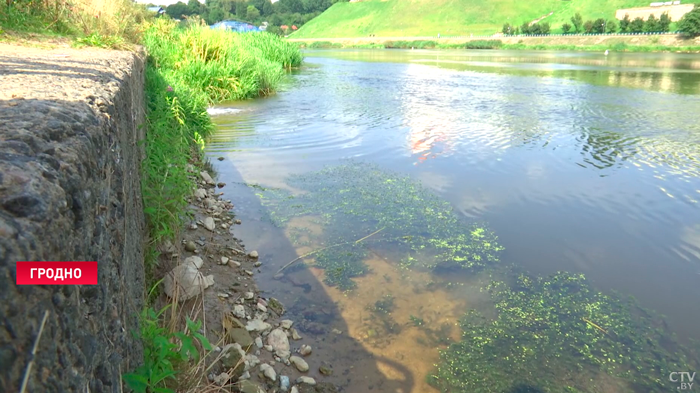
234 25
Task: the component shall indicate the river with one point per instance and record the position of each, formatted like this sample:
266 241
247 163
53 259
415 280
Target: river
577 162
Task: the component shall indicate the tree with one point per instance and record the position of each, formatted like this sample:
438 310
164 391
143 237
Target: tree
588 27
624 23
566 28
267 8
544 27
507 29
535 28
664 22
652 24
599 26
636 26
195 7
690 22
611 26
252 13
577 21
177 10
525 28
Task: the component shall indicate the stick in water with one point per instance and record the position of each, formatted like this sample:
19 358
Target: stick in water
36 345
325 248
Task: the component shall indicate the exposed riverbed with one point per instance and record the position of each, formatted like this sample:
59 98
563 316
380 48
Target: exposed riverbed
582 163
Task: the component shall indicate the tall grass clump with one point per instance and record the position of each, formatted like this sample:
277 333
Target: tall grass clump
187 70
116 22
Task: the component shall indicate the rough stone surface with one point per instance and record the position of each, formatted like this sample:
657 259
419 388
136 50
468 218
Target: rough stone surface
70 127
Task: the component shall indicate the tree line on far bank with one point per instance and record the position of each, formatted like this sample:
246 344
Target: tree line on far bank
283 13
689 25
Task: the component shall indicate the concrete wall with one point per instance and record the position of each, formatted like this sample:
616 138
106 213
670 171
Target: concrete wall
70 126
676 12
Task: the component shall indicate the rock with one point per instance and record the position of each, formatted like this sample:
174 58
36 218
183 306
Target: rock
299 363
268 371
186 281
284 383
248 295
250 387
268 348
295 335
221 185
224 260
207 178
275 306
231 361
209 224
240 336
258 342
222 295
305 350
239 311
200 193
221 379
193 226
306 380
286 324
336 331
325 369
261 307
294 390
246 375
167 247
190 246
248 272
278 340
220 158
257 325
278 276
252 361
209 203
253 254
237 222
235 263
257 264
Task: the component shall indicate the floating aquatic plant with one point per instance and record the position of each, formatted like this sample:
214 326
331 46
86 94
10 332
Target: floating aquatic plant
557 333
357 199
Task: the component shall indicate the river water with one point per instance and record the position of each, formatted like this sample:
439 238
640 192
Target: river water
578 162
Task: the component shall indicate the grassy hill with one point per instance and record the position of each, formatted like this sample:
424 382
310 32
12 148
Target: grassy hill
414 18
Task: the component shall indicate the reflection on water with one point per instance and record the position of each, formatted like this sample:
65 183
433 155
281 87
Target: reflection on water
579 162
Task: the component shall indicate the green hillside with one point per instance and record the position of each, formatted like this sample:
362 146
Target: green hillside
413 18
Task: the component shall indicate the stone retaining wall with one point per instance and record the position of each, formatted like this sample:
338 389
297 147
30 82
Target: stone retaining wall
70 126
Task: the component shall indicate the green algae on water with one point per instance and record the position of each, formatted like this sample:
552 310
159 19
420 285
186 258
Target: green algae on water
354 200
557 334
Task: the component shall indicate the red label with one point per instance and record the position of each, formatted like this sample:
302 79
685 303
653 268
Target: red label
56 273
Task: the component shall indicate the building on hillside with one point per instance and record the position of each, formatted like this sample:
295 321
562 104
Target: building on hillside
237 26
156 10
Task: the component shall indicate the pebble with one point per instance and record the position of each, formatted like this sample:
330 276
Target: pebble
221 158
295 335
325 370
224 260
286 324
221 185
262 308
190 246
305 350
278 340
268 348
236 263
253 254
258 342
207 178
238 222
336 331
257 325
221 379
258 264
209 224
306 380
193 226
269 372
294 390
239 311
299 363
224 226
248 272
200 193
284 382
246 375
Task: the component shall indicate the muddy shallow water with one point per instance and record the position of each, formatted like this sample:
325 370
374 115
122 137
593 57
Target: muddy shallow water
577 162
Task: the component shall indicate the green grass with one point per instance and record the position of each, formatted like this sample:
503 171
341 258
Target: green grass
188 70
419 18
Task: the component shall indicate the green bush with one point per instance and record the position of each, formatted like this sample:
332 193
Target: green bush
566 28
690 23
636 26
625 23
577 21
